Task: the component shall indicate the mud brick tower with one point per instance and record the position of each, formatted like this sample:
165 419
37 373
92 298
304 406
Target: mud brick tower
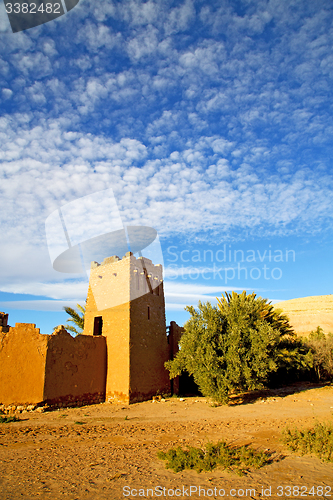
125 303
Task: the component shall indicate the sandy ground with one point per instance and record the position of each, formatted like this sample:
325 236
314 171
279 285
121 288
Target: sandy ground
110 452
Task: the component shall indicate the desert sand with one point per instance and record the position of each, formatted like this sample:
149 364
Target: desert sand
306 313
108 451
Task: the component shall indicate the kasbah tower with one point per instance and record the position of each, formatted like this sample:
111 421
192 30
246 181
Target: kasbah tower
125 303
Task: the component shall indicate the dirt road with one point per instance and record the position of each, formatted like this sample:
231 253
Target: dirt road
110 452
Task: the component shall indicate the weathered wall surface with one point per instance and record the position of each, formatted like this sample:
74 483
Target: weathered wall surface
116 330
149 348
22 364
175 334
120 357
75 369
128 295
3 320
148 339
57 369
108 298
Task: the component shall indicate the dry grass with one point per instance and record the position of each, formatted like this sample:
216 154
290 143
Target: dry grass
231 458
317 440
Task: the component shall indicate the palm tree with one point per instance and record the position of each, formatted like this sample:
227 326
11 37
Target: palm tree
76 318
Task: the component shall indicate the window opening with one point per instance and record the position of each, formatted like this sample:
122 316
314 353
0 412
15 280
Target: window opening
98 325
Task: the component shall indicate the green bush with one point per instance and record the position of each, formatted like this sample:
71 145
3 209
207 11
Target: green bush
235 346
321 350
7 419
317 440
237 459
294 362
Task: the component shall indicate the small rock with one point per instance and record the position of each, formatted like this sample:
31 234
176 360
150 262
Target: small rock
31 407
40 409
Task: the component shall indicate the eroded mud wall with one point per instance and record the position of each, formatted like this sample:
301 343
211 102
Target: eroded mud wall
175 334
75 369
149 347
22 364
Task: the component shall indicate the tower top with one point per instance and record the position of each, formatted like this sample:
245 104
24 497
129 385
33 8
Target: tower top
116 281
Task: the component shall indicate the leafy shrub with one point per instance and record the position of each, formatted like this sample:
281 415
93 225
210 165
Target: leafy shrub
233 347
237 459
317 440
294 362
321 349
6 419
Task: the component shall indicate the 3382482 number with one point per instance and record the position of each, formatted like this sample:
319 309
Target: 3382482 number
303 491
31 8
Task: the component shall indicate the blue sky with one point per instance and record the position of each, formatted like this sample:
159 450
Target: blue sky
210 121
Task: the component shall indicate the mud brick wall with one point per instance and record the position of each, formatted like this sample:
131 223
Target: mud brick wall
3 319
149 348
127 294
119 358
56 369
108 298
22 364
75 369
175 334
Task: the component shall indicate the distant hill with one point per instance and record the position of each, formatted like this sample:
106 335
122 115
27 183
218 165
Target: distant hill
306 313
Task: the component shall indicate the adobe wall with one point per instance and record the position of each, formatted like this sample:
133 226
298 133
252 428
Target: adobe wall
108 286
75 369
149 343
175 334
120 291
56 369
149 348
4 321
22 360
122 360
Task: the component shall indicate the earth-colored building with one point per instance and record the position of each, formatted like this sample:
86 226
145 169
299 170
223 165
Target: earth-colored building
120 356
126 304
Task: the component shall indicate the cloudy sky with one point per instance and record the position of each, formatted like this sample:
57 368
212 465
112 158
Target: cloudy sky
209 121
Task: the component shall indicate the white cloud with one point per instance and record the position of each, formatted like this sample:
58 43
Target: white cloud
7 93
38 305
36 65
143 44
180 295
215 123
96 37
4 21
